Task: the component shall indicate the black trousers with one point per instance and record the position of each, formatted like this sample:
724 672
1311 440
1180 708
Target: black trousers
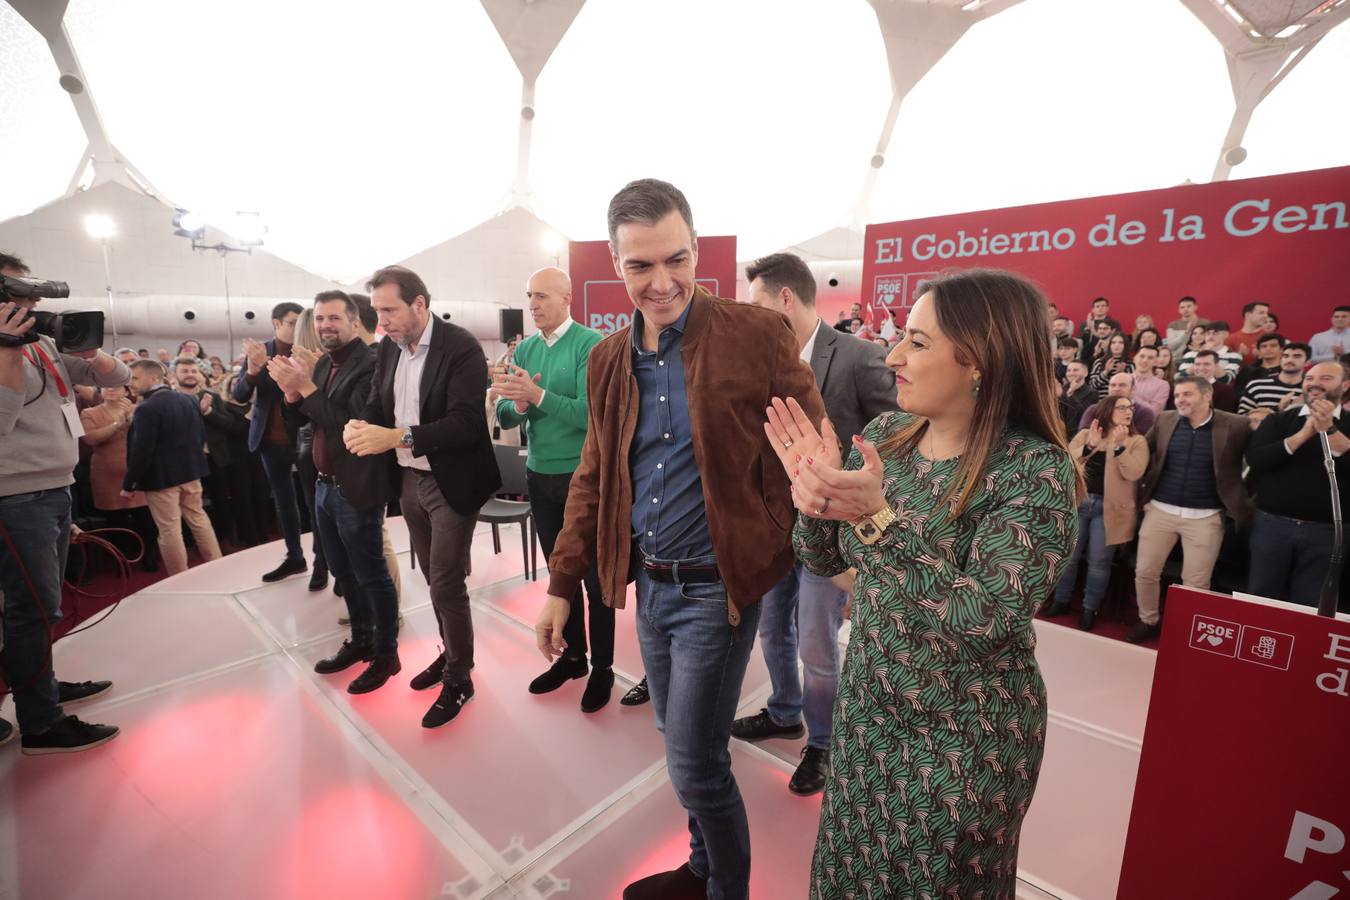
548 499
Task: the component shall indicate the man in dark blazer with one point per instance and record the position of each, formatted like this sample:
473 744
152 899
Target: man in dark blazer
166 458
272 433
1194 478
350 492
426 405
804 610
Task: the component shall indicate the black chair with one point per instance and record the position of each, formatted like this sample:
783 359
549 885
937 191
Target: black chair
511 463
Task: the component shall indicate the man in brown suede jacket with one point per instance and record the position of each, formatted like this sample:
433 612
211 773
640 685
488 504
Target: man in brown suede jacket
679 487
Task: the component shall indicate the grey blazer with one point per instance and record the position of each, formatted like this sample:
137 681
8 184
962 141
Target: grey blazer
853 380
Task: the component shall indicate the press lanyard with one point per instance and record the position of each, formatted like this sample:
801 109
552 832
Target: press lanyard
47 363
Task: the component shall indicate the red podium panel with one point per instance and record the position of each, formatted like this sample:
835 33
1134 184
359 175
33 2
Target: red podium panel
599 299
1244 778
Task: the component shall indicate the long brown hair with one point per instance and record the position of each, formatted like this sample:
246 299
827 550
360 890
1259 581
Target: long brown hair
997 320
1104 415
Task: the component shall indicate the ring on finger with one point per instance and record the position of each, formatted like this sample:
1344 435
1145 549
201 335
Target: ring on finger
824 505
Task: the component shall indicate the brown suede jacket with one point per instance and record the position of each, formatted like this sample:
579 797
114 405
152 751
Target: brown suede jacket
736 357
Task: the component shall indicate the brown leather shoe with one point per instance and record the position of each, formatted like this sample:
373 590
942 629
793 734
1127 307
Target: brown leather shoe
680 884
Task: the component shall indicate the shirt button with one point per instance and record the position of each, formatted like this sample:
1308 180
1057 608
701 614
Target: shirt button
660 362
663 399
666 435
649 534
653 499
660 465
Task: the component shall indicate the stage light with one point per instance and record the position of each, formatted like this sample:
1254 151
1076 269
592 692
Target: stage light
99 227
189 224
248 229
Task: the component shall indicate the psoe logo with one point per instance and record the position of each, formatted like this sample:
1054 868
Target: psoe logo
889 291
1215 636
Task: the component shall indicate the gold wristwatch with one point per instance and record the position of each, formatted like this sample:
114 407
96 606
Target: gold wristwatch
870 528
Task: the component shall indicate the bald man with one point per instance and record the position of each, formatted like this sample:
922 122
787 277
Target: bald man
545 390
1293 535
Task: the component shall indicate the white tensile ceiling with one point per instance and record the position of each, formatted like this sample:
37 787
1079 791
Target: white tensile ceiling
364 134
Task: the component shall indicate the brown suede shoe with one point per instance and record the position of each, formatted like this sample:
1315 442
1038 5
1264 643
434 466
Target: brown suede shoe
680 884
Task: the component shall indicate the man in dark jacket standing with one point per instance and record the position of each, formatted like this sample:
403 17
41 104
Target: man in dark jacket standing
219 421
350 492
166 458
272 432
679 487
425 418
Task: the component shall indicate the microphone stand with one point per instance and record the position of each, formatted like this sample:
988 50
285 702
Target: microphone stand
1331 585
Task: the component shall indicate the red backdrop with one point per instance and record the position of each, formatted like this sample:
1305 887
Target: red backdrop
1243 788
599 299
1284 239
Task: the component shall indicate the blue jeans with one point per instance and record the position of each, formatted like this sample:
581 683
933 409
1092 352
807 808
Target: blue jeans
1289 558
355 541
277 460
695 663
803 611
38 528
1092 540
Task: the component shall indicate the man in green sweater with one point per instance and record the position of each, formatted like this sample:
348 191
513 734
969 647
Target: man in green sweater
545 390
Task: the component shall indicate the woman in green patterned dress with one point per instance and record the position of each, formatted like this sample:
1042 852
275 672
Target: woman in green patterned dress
958 515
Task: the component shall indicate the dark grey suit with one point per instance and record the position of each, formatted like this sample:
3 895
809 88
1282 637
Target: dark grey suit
853 380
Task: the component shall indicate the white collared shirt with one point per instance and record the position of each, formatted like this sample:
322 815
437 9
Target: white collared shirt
408 394
551 339
811 341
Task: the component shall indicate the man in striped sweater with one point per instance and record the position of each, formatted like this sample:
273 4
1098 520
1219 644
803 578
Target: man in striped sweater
1282 390
545 390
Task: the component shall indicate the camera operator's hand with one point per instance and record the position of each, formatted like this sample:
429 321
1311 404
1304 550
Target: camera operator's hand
15 321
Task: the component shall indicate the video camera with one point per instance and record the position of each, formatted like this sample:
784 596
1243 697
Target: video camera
73 332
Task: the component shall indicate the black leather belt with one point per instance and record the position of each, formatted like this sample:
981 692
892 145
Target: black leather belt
326 479
675 573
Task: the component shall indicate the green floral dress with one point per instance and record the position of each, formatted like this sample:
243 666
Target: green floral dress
939 725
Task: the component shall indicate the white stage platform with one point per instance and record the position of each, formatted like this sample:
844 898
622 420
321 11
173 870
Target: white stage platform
241 773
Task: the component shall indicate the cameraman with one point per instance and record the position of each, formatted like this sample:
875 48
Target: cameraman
40 427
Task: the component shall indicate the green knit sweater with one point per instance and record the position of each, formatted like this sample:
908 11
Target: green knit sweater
557 426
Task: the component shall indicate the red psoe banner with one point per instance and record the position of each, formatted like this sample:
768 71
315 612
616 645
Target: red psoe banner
1244 784
599 299
1283 239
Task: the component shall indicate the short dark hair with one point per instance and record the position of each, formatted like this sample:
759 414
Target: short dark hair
1200 353
335 296
1068 343
648 201
10 261
150 365
1218 325
1188 297
1273 319
1062 319
1249 307
410 284
1097 300
1336 310
784 270
1299 345
282 310
370 319
1271 336
1204 386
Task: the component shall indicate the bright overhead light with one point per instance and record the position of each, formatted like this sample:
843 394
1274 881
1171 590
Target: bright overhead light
248 229
99 226
189 224
553 242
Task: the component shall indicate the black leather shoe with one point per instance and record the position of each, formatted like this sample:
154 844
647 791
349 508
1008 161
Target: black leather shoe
562 671
1057 609
347 656
287 568
318 580
430 676
811 773
380 670
637 694
1142 631
760 727
680 884
448 704
70 735
598 688
76 692
1087 619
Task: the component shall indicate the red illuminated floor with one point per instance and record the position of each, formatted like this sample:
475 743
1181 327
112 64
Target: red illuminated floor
241 773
